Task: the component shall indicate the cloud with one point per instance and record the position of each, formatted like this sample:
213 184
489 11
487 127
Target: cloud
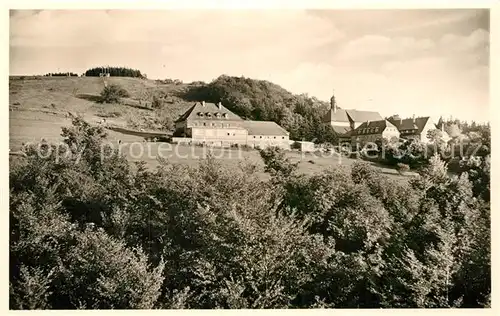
193 44
435 18
477 39
376 45
242 28
426 85
62 28
301 51
370 46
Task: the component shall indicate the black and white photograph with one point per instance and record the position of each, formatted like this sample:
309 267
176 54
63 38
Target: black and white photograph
249 158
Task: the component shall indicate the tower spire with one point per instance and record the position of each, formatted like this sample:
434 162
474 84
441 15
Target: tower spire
333 102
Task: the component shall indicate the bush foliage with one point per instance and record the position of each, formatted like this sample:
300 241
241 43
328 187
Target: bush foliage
87 232
113 94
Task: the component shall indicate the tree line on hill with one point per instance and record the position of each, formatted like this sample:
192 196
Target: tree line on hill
262 100
115 72
61 74
88 232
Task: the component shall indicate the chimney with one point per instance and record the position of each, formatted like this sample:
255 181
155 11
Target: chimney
203 103
442 127
219 105
413 118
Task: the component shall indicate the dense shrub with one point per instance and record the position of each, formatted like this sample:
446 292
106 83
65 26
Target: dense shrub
157 103
402 168
113 93
92 231
276 162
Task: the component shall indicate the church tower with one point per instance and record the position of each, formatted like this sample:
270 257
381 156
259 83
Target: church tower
333 103
440 124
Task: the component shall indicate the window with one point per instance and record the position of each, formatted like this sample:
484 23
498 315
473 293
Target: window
200 114
274 137
228 134
234 134
208 114
254 137
224 115
261 137
204 124
217 115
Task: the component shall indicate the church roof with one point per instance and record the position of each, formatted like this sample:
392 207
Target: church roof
362 116
336 116
341 115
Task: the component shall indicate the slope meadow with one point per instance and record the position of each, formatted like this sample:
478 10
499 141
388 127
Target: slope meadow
39 109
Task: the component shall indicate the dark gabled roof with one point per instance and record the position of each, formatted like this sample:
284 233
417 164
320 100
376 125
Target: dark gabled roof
342 130
409 124
213 109
363 116
339 115
267 128
380 124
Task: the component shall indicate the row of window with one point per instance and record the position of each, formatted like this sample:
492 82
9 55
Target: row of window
283 137
209 115
211 124
407 131
375 130
234 134
369 130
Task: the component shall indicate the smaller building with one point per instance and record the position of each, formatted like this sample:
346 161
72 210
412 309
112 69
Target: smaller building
444 135
264 134
372 131
304 146
416 128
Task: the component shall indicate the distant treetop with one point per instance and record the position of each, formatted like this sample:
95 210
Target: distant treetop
61 74
114 72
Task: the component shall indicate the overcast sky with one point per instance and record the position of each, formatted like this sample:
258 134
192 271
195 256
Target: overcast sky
423 62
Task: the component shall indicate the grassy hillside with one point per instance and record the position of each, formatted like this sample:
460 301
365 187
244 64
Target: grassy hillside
58 95
72 93
249 98
39 109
